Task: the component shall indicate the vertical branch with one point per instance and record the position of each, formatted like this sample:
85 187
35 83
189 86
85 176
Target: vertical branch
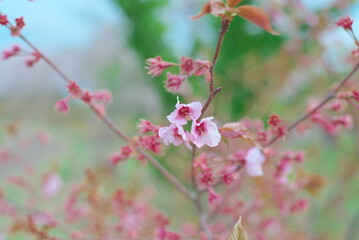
203 218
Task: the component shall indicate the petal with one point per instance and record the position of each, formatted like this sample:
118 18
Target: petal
166 133
254 156
195 110
175 119
254 170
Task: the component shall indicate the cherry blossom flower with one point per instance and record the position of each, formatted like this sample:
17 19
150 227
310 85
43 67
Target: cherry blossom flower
174 82
201 67
356 95
62 105
117 157
86 97
274 120
205 132
12 52
36 57
213 197
146 126
156 66
151 143
187 66
20 24
254 160
74 89
3 20
103 96
174 134
185 112
52 185
345 22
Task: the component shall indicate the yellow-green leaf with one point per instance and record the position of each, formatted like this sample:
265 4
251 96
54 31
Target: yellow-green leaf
238 232
237 130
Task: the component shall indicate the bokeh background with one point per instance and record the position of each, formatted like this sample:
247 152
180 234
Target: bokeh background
103 44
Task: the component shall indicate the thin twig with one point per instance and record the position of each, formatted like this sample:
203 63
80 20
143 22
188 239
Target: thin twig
330 96
203 218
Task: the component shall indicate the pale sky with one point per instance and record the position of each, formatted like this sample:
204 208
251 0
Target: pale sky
59 23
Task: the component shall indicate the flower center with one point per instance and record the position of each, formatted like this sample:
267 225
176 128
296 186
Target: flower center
183 112
176 134
201 129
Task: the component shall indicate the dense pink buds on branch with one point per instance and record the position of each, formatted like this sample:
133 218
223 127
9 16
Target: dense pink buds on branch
187 68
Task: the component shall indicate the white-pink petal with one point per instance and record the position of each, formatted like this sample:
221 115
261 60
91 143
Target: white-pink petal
205 132
254 160
185 112
174 134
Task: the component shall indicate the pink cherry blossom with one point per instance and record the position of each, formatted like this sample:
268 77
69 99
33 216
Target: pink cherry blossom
174 82
205 132
3 20
254 160
52 185
201 67
174 134
74 89
187 66
345 22
62 105
15 49
156 66
185 112
213 197
103 96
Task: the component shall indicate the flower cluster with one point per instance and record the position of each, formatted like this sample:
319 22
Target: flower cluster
203 132
20 24
345 22
187 68
99 98
331 122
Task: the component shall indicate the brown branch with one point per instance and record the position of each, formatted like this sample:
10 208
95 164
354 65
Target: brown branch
330 96
169 176
213 92
203 218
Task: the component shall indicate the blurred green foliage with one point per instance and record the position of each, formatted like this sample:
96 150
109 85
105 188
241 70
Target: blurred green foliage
147 38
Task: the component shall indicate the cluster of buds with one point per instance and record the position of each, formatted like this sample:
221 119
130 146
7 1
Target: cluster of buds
188 67
99 98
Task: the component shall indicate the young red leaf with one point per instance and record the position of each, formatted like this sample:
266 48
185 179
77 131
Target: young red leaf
233 3
214 7
256 16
